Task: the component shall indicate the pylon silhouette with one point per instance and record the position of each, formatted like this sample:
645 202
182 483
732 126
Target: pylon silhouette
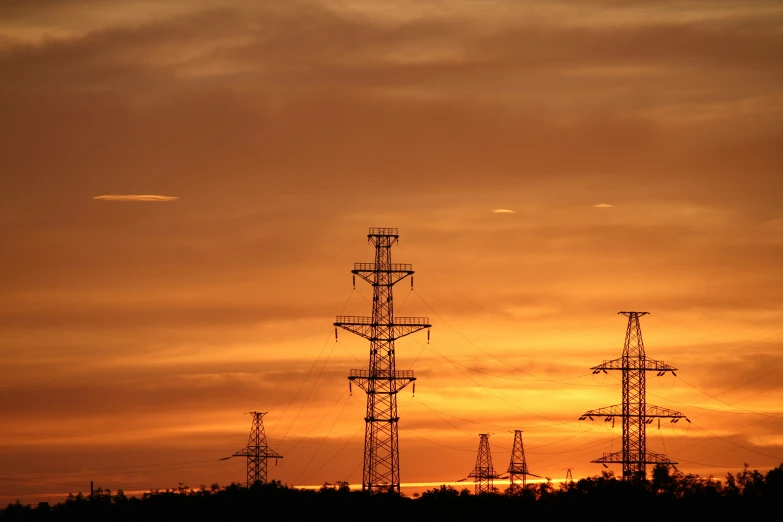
484 473
569 477
634 411
257 451
517 468
381 381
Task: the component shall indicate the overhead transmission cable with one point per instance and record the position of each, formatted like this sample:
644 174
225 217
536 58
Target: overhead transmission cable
535 377
307 376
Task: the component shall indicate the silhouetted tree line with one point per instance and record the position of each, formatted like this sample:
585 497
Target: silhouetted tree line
666 495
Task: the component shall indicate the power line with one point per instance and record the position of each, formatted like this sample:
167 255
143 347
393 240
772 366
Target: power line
334 455
309 372
493 393
307 398
738 445
734 405
536 377
703 339
339 398
322 441
713 410
723 411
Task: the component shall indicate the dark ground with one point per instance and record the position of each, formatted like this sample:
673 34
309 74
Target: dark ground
665 496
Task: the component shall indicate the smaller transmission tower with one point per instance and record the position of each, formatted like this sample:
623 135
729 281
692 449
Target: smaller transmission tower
569 476
257 452
634 411
484 473
517 468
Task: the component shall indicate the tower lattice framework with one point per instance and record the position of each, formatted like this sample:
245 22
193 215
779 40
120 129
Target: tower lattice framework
381 380
634 411
517 468
484 473
257 451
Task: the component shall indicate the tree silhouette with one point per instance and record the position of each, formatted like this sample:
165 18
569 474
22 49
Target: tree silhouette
669 494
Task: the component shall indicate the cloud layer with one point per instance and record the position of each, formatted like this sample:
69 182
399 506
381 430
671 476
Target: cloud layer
287 129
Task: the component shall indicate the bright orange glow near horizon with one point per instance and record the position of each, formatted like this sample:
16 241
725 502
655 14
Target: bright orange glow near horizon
187 186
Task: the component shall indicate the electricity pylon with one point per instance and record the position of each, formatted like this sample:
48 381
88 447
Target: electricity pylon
381 381
484 473
635 413
257 451
569 476
517 468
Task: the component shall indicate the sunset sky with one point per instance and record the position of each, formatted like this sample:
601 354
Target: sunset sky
548 164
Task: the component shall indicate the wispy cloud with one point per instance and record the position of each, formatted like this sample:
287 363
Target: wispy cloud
775 224
504 211
136 197
603 205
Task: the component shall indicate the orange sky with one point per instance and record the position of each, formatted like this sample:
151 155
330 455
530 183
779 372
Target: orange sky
134 334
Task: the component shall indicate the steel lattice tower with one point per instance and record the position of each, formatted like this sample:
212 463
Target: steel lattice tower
517 468
257 451
635 413
484 473
569 476
381 381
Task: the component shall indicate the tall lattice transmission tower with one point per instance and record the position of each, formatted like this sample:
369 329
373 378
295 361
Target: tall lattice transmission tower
381 380
517 468
257 451
484 473
635 413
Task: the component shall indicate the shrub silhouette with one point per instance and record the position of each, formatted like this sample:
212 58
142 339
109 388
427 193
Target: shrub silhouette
667 495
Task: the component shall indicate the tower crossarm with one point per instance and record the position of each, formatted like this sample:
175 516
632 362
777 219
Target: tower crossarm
366 327
517 471
607 411
396 380
484 474
383 232
263 453
396 271
649 457
616 410
407 325
634 363
653 412
520 469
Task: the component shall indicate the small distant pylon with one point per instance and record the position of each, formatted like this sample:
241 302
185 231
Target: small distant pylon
569 476
484 473
257 451
517 468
